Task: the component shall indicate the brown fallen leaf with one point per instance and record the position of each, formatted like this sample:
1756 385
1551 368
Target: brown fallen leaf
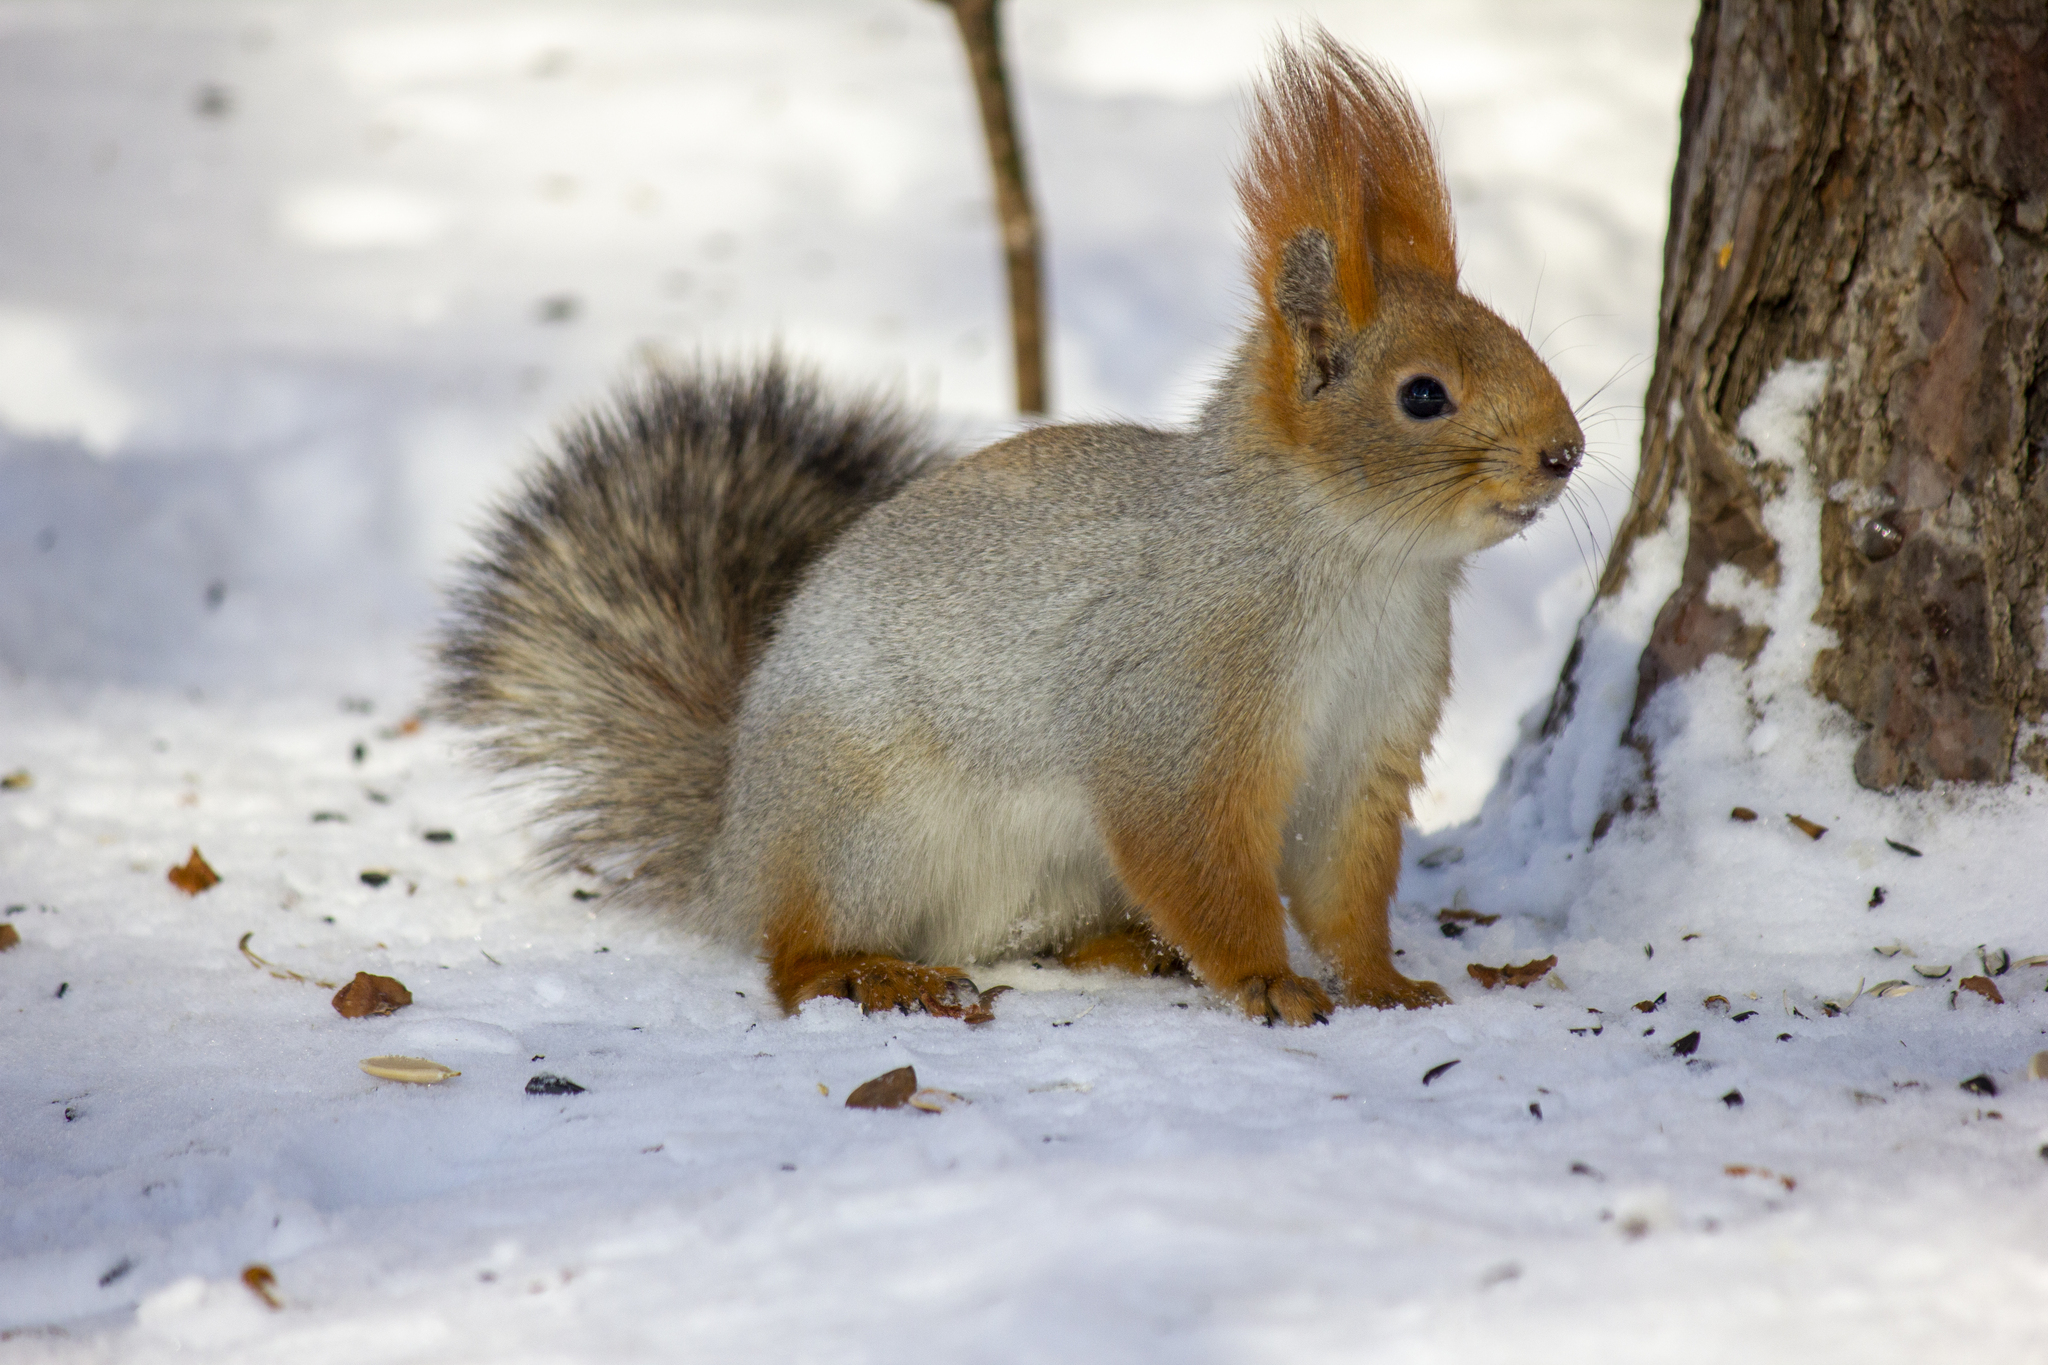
890 1090
1742 813
1806 826
262 1284
1982 985
9 936
1523 975
195 876
368 995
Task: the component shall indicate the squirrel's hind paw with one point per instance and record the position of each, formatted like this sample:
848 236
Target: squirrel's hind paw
1284 999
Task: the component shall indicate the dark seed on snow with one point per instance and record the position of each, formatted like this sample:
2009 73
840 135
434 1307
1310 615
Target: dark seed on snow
62 987
118 1269
1439 1069
439 836
1746 1014
1733 1099
1536 1109
1981 1085
1687 1045
375 877
548 1083
580 894
329 817
1907 849
1784 1037
1876 897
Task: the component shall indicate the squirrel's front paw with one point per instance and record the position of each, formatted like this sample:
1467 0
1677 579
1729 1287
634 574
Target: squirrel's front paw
1284 999
1394 991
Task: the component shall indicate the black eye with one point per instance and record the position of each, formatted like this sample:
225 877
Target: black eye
1424 397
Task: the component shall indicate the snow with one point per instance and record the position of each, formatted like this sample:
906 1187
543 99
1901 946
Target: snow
274 324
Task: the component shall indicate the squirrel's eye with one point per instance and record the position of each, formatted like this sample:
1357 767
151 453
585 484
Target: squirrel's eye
1424 397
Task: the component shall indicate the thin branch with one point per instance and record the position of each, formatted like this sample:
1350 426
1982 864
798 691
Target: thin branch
982 36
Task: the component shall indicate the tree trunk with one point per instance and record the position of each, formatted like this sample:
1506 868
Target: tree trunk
1865 182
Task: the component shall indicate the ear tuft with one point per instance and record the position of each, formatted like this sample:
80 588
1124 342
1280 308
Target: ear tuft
1338 147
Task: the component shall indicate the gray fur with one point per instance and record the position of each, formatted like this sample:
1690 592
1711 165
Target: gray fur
604 633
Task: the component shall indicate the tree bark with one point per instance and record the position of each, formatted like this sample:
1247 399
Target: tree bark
1866 182
981 35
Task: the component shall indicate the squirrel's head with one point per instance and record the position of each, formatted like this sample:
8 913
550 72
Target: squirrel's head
1408 397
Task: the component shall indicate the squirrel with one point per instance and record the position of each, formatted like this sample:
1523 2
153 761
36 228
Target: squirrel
1127 696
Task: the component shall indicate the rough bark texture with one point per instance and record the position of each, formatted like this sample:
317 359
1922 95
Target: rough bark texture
1866 182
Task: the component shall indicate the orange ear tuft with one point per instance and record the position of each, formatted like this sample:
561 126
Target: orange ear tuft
1338 147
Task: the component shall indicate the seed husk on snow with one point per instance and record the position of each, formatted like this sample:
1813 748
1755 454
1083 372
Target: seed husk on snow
1805 826
413 1070
374 876
2037 1067
1716 1004
1996 962
1932 973
1439 1069
1892 950
1980 1085
1687 1045
1907 849
1886 989
548 1083
1742 813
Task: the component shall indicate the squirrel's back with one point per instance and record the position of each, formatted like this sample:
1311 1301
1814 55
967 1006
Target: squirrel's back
602 635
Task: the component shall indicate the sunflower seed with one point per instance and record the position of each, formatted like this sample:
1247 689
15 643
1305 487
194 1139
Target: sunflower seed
1933 973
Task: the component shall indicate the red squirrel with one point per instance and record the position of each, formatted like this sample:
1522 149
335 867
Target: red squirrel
1124 695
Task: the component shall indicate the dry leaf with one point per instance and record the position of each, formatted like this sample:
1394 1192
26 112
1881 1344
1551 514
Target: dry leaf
1742 813
9 936
368 995
890 1090
262 1284
413 1070
1523 975
1806 826
195 876
1984 986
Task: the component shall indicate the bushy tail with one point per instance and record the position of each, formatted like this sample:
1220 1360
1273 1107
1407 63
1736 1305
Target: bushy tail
604 634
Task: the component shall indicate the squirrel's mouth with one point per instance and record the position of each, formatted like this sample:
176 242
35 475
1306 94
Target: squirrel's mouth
1521 515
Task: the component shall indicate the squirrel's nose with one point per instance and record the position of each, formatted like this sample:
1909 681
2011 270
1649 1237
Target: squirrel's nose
1559 461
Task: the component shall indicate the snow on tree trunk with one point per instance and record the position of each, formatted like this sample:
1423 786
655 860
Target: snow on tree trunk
1863 184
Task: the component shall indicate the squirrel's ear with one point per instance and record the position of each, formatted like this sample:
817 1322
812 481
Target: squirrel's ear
1305 296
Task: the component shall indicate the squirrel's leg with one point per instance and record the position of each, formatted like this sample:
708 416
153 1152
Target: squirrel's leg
1342 907
1203 872
804 965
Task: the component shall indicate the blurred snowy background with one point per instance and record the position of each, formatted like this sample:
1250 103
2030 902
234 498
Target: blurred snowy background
287 292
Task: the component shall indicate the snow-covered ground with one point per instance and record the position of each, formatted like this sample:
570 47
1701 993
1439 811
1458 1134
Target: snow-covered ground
287 291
